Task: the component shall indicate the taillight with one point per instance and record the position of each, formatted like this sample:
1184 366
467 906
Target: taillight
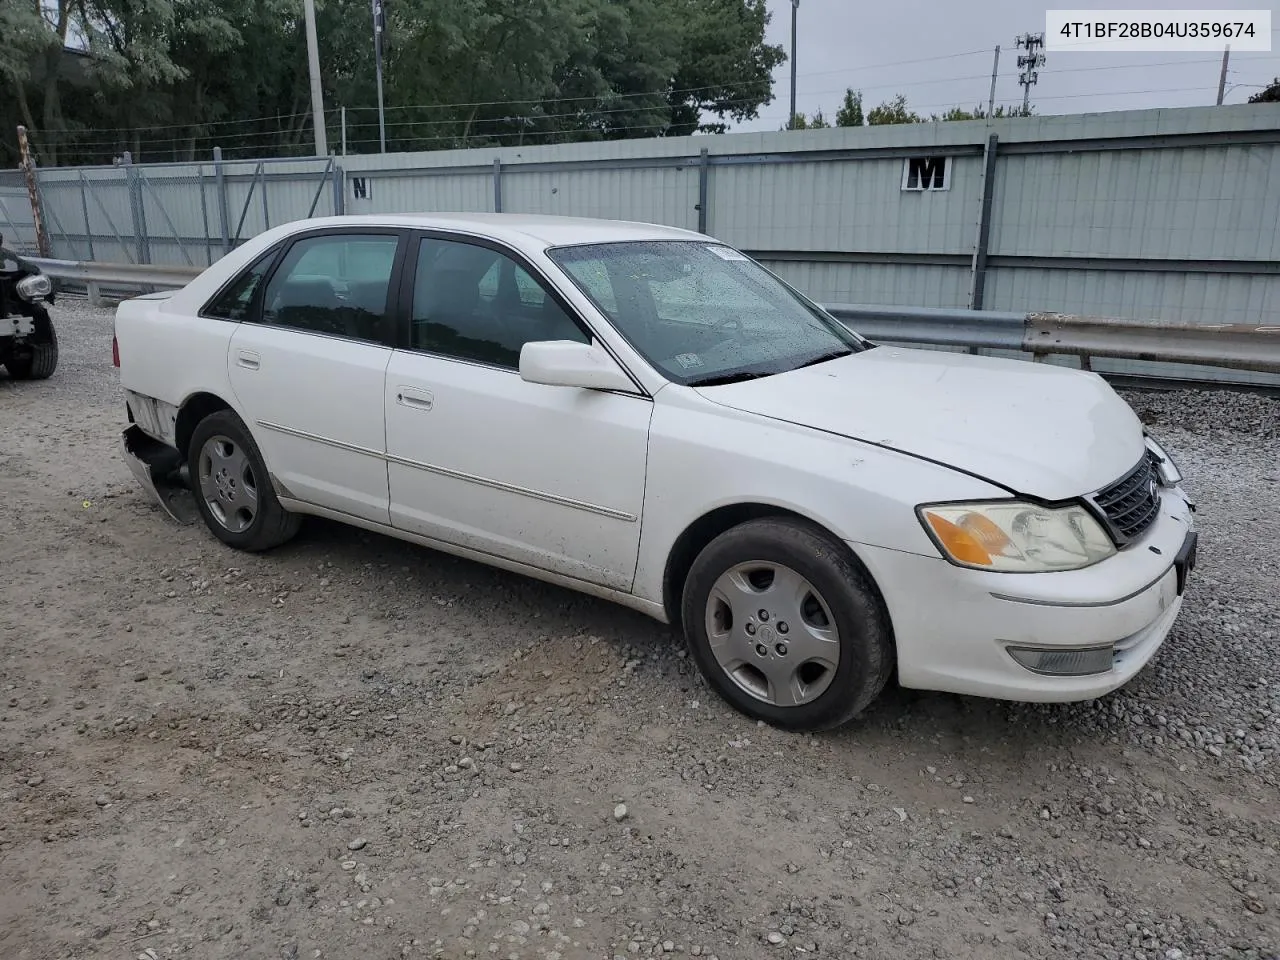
115 352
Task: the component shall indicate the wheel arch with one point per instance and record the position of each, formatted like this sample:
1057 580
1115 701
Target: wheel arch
192 410
711 524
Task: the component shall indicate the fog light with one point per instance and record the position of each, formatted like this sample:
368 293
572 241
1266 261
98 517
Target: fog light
1078 662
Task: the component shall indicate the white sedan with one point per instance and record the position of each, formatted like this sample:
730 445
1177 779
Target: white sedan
647 415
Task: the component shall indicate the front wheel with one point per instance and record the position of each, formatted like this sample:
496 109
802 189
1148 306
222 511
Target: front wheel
232 488
38 357
786 625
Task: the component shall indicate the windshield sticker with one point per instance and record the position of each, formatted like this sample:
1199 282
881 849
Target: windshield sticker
727 253
688 360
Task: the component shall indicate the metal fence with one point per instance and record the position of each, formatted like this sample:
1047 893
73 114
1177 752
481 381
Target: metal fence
16 224
182 214
1168 214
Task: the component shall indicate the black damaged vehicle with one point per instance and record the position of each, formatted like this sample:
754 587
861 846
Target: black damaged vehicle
28 342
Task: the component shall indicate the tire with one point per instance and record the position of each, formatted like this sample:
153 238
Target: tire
796 676
232 487
35 360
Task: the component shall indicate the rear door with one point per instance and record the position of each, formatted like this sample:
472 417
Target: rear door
310 372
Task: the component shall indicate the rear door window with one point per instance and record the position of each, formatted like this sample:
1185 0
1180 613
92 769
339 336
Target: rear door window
334 284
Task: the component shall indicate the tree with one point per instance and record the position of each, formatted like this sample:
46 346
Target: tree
25 51
816 122
893 111
169 79
1271 94
724 66
980 113
850 112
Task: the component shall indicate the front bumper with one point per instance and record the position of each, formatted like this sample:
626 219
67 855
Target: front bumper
17 326
954 626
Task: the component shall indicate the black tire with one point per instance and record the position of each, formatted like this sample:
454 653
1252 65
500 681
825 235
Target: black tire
37 359
271 524
866 651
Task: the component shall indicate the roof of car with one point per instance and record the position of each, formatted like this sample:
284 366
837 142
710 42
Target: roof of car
516 227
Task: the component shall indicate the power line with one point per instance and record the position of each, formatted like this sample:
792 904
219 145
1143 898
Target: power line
512 102
218 128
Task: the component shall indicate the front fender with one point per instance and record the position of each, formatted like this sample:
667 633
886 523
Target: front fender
704 456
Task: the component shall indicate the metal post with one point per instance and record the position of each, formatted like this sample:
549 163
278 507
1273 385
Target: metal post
995 69
339 191
497 184
978 275
791 122
33 191
204 217
704 169
84 208
344 131
224 215
262 179
317 94
135 208
324 178
377 59
1222 77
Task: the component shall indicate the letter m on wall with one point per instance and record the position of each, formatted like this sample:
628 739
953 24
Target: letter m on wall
926 173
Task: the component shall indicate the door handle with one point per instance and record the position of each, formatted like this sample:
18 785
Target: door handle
414 398
248 360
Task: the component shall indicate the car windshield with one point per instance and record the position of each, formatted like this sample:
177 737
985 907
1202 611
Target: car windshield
701 312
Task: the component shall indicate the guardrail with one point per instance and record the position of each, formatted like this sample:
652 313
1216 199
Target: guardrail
121 276
1230 346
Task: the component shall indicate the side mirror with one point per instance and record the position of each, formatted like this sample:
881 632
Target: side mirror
564 363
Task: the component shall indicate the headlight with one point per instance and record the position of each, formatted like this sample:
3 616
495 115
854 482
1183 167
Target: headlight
1012 536
1165 467
34 287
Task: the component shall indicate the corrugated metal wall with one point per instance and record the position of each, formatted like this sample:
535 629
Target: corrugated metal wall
1159 213
16 225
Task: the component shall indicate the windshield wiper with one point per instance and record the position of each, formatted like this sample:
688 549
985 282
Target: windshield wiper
833 355
723 378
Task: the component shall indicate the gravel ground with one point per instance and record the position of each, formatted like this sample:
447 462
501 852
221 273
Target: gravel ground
352 747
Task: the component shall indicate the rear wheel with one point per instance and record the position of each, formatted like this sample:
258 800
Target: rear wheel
786 625
232 488
38 357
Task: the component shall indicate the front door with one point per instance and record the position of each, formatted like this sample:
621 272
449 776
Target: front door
548 476
311 374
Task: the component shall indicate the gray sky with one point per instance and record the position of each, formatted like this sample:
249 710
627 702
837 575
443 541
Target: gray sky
867 45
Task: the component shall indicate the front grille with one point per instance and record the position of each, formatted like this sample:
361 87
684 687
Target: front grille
1132 503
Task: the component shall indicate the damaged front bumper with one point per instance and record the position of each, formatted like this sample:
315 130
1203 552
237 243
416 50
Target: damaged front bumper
159 470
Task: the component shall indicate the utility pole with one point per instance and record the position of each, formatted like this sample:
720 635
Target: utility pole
1029 64
1222 77
791 123
995 69
377 59
33 191
317 94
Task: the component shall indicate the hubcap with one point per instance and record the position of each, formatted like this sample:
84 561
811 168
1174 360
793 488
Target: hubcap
227 484
772 633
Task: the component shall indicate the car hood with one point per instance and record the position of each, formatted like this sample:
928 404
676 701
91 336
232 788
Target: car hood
1037 429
